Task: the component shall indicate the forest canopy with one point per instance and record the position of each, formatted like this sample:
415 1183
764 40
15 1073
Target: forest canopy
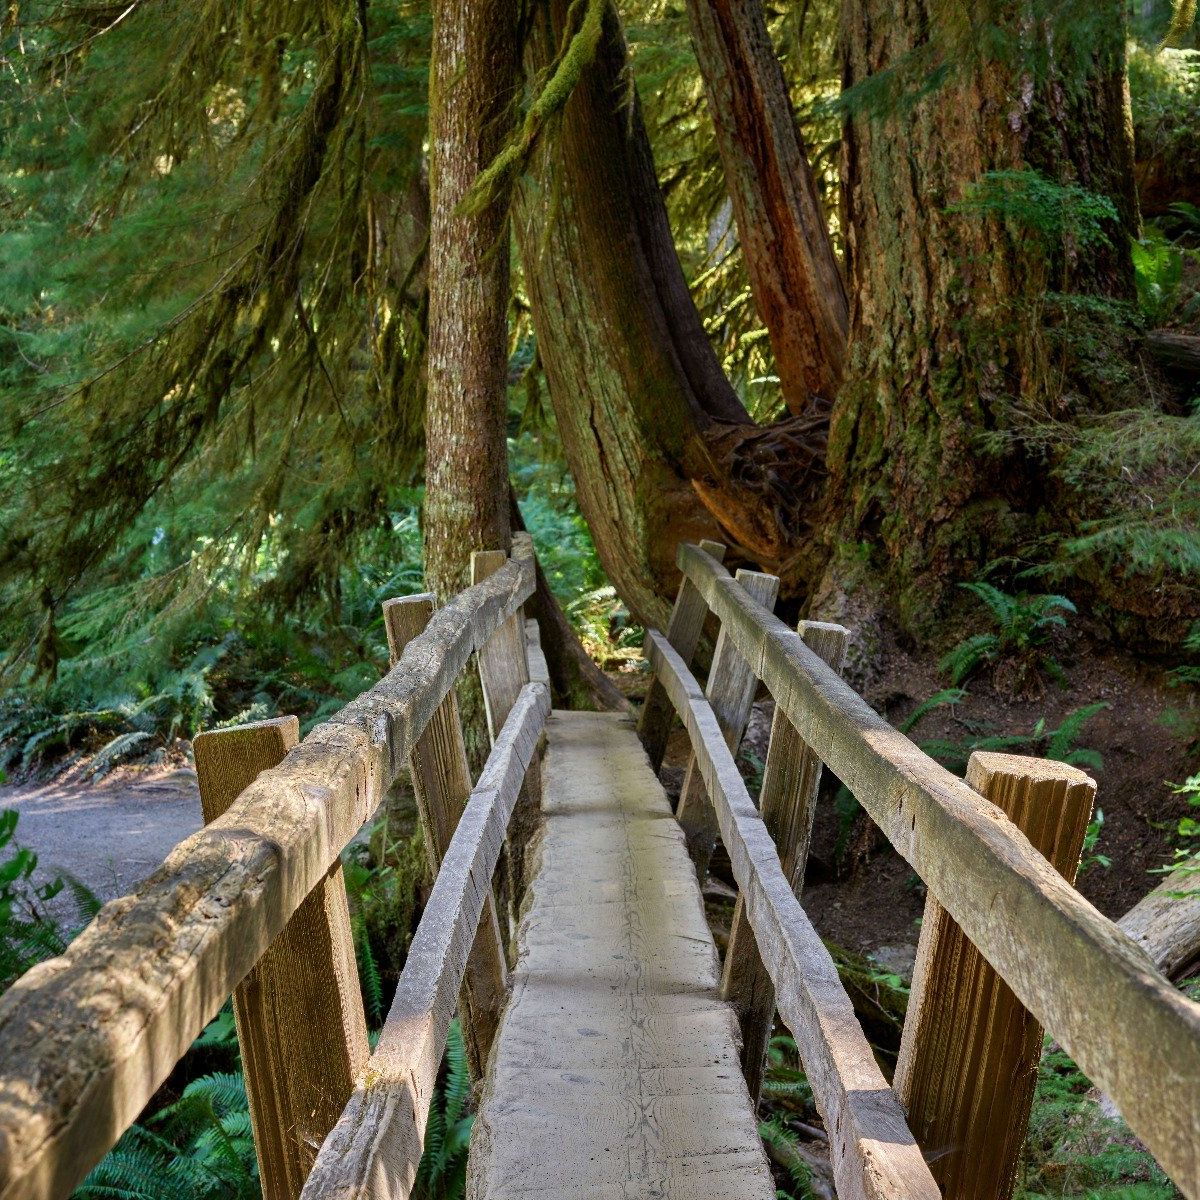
912 337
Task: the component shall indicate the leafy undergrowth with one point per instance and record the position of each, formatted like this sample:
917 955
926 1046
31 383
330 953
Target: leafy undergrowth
1074 1149
134 673
194 1140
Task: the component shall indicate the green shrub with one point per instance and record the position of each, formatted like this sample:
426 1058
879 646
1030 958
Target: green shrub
1023 624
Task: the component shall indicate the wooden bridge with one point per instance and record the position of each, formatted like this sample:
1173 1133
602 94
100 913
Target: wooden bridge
619 1058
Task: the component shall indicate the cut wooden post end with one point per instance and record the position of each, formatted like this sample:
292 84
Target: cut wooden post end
299 1012
969 1053
787 802
441 779
683 632
731 687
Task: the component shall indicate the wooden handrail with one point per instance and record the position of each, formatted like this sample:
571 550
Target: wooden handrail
373 1151
1095 991
90 1036
874 1156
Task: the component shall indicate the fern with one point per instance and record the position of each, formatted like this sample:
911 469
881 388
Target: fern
442 1173
368 970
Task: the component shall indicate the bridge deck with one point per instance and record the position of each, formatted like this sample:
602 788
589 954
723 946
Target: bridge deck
615 1074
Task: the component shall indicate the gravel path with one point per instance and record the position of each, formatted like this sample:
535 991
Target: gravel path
111 835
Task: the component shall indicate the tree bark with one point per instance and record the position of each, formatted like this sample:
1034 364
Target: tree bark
782 231
474 72
660 447
944 338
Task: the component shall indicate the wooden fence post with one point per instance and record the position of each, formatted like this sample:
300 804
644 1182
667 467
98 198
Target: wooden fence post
730 690
969 1053
787 802
683 632
442 781
299 1012
504 671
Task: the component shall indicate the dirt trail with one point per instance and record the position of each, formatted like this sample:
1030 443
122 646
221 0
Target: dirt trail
109 835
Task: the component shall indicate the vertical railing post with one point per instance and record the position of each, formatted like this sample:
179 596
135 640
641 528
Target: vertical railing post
731 687
683 632
787 802
299 1012
503 672
969 1052
441 779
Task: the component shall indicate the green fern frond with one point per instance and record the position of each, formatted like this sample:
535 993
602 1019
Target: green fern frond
967 655
947 696
1062 739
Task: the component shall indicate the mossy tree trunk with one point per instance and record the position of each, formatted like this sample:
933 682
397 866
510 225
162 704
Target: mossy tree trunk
474 75
945 338
782 230
660 446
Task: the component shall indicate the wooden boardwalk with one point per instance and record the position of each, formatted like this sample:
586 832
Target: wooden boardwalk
619 1060
616 1071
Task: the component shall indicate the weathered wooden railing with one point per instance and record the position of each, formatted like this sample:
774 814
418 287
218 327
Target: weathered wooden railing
254 905
1007 945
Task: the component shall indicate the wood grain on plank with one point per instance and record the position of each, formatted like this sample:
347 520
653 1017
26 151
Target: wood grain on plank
299 1012
874 1155
89 1036
683 632
441 779
375 1147
616 1069
1130 1032
503 671
787 804
969 1054
1166 922
730 691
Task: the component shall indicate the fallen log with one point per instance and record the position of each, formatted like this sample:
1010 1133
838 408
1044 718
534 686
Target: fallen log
1166 922
1174 351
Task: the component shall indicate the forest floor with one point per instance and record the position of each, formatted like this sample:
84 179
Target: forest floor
864 897
108 835
860 894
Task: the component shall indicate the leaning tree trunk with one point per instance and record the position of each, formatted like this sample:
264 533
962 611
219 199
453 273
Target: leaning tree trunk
945 343
660 446
782 231
474 74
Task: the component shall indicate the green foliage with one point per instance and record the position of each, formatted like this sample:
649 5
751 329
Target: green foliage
29 933
1091 838
1073 1149
1158 272
442 1174
785 1145
1164 88
198 1148
1058 744
1065 220
1023 624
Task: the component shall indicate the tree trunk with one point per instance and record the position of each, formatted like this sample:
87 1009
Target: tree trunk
944 323
660 447
474 71
782 230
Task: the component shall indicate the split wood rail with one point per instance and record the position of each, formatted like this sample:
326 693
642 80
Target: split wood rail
254 905
1007 946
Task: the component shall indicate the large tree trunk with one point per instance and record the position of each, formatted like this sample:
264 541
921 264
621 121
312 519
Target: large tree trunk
660 446
945 341
782 230
474 73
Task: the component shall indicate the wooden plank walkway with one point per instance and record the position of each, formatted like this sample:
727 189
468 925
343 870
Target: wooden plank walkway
616 1072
